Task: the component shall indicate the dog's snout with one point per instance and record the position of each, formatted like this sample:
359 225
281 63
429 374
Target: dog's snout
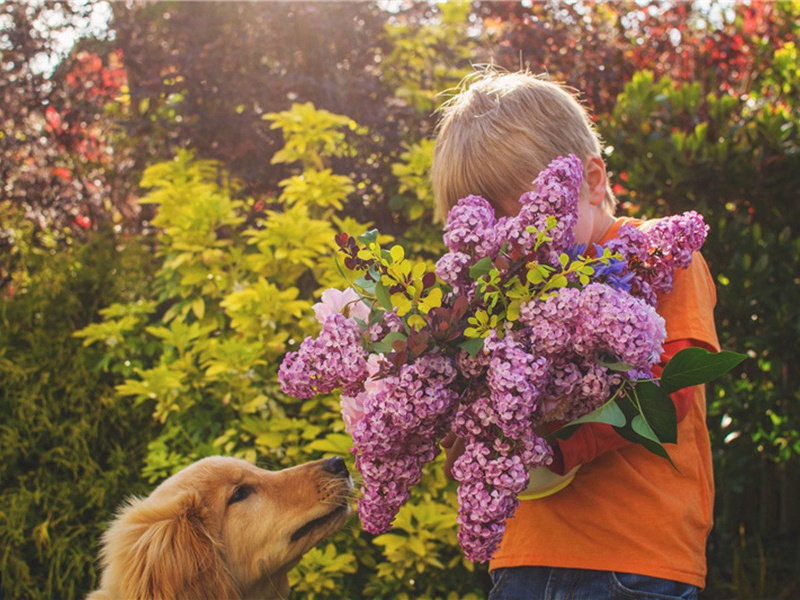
335 466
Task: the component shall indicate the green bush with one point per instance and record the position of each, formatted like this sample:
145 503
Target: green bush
69 450
735 157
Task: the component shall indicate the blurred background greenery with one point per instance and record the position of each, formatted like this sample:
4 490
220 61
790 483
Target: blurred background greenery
173 176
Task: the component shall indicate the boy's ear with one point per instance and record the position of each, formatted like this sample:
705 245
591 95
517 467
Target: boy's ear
596 178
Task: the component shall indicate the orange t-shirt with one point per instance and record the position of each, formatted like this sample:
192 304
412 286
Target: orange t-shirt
629 510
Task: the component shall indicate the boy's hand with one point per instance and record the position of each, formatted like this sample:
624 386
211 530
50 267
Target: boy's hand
453 448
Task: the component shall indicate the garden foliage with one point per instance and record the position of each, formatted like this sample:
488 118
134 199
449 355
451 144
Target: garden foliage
69 450
172 192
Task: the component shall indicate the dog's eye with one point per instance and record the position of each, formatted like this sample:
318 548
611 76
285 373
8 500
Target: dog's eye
241 493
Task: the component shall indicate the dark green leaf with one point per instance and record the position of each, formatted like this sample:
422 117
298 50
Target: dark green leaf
658 411
610 414
382 294
694 366
629 433
385 345
472 346
480 268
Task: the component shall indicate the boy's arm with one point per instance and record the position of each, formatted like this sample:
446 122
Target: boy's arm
593 439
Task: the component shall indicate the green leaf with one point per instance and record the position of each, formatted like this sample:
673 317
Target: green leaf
370 237
622 367
382 294
472 346
694 366
481 268
368 285
649 441
512 312
647 437
385 345
333 443
415 545
610 414
659 411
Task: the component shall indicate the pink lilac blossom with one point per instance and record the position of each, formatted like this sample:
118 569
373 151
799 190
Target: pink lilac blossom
404 417
347 303
655 252
516 379
555 193
390 323
550 322
453 269
334 359
496 420
677 238
491 476
616 324
470 228
472 367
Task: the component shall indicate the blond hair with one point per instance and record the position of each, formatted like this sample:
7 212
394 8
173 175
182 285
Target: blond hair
500 130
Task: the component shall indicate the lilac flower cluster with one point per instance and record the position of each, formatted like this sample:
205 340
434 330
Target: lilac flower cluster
555 193
653 254
566 352
497 419
334 359
470 228
404 418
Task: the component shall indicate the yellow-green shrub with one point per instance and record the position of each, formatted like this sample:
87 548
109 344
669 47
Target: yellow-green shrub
232 294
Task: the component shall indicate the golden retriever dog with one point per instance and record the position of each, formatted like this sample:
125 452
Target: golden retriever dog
222 528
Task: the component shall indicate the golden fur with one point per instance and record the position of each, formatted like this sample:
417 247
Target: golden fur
222 528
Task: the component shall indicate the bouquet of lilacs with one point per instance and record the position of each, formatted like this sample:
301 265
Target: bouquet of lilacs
517 332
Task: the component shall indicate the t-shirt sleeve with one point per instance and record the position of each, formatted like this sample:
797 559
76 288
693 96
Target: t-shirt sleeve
688 312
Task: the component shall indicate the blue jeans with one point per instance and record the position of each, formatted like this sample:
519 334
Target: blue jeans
545 583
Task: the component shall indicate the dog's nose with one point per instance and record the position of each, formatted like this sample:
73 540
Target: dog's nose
335 466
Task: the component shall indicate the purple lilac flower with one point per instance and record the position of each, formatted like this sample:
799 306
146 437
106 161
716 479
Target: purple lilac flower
516 380
676 238
631 243
472 367
453 269
334 359
556 192
565 380
618 324
549 322
470 228
491 476
653 254
404 417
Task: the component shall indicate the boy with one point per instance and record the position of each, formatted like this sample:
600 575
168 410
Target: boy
622 522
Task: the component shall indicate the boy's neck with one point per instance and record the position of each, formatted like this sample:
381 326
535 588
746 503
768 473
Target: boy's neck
601 226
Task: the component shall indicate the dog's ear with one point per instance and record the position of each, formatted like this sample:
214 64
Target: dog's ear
166 550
